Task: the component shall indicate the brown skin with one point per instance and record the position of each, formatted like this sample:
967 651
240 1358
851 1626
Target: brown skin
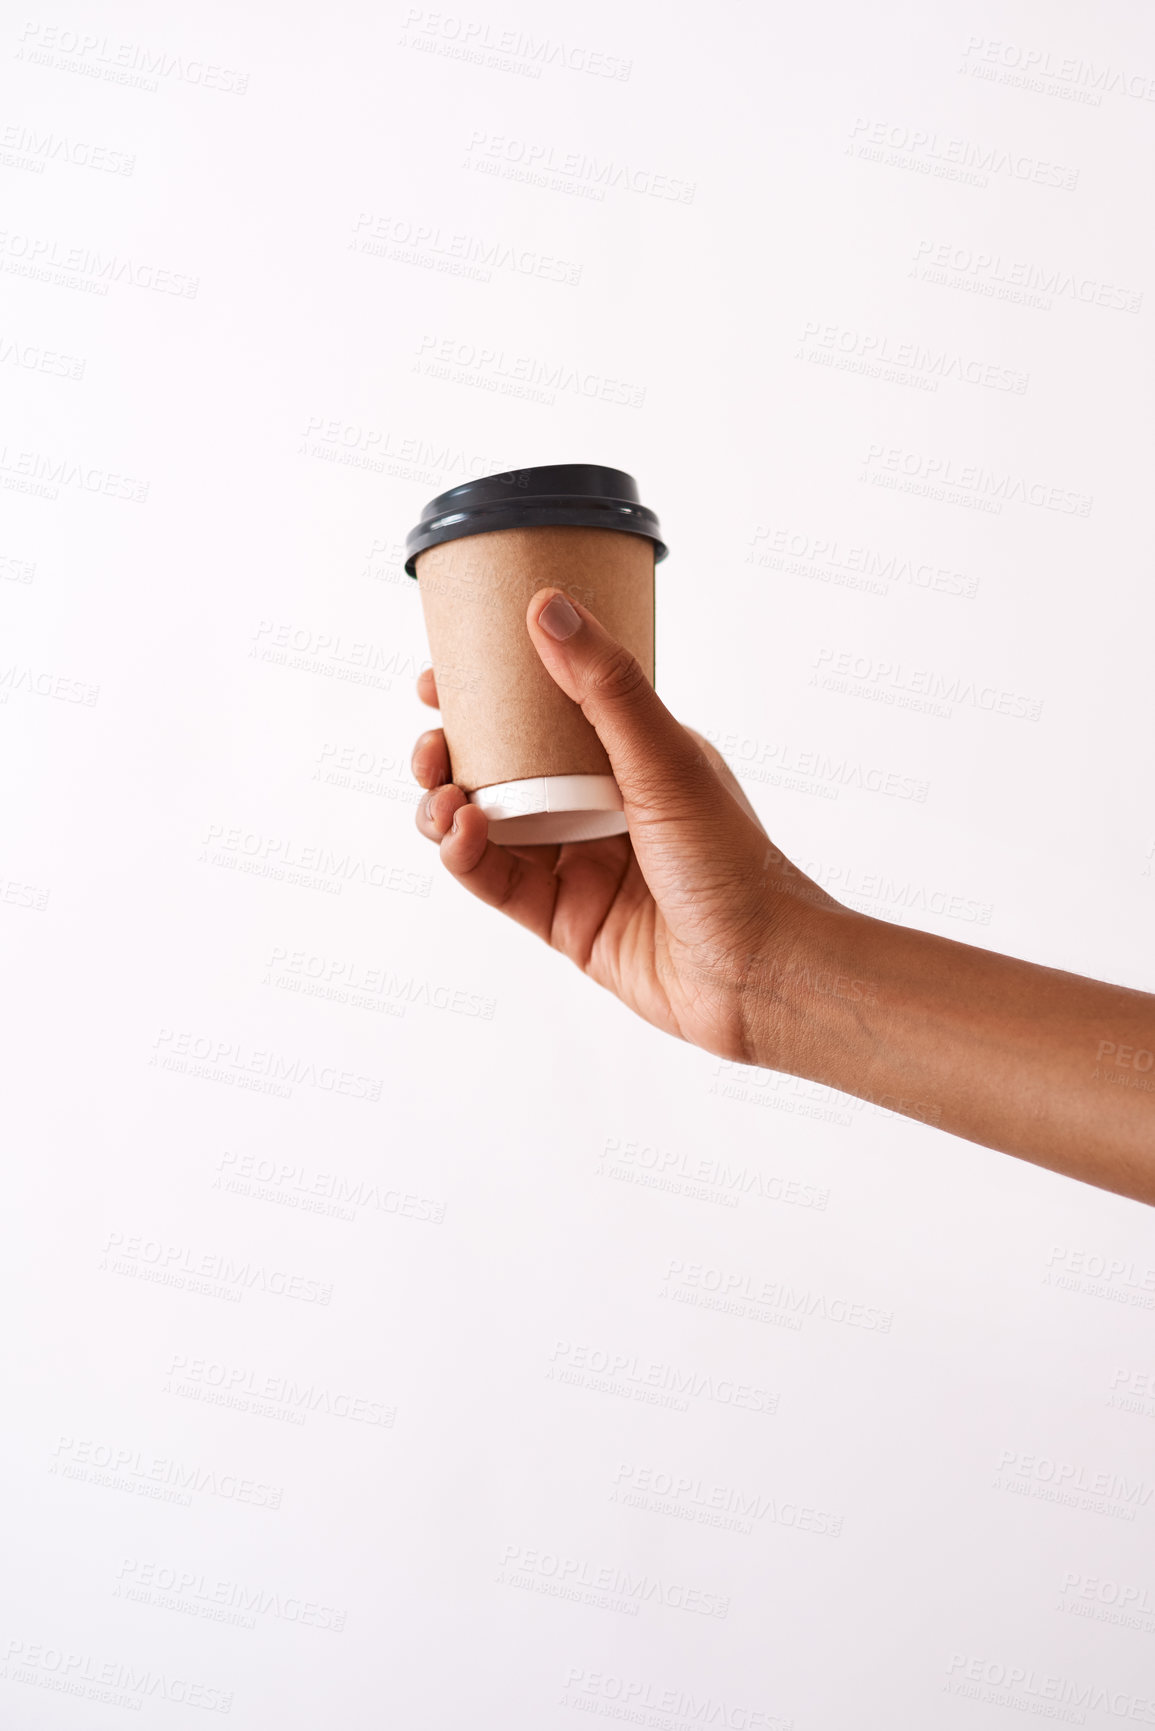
699 924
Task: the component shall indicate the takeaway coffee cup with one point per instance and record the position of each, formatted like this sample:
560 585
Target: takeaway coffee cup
518 746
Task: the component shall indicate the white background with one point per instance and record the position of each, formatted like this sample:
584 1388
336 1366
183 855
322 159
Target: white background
399 1334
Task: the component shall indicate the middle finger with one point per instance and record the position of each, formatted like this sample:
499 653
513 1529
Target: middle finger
430 760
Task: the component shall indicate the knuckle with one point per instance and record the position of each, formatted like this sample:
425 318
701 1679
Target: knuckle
616 676
708 750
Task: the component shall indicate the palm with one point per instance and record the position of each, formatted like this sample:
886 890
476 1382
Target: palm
669 957
605 919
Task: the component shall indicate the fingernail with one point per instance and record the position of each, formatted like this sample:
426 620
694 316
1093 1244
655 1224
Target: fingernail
559 618
429 798
453 825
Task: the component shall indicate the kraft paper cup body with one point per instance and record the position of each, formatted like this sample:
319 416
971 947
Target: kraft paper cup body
518 746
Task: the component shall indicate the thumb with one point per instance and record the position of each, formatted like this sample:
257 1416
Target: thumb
661 770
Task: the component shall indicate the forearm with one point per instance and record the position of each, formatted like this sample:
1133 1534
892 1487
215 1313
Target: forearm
1029 1060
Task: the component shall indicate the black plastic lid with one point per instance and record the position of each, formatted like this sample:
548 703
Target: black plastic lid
582 494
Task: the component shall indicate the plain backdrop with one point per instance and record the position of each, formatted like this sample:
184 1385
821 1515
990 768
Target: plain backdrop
398 1332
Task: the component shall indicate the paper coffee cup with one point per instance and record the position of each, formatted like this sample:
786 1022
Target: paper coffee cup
518 746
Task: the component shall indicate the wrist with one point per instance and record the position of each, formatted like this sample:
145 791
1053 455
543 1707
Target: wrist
805 1002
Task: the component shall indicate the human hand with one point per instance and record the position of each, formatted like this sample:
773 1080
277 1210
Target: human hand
702 926
694 917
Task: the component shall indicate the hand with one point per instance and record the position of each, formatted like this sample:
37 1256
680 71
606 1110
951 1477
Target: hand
693 915
699 924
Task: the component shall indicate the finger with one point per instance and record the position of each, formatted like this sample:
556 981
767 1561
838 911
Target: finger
427 687
435 812
543 853
775 868
726 775
659 766
430 760
523 888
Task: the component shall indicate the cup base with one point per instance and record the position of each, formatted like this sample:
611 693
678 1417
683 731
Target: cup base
552 808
